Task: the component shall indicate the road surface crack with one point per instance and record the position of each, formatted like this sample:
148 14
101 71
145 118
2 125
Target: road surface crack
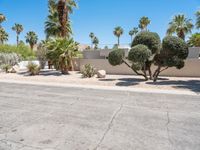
109 126
168 132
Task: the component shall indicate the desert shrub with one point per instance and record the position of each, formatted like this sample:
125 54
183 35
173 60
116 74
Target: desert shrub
33 68
41 55
24 51
6 67
88 71
9 59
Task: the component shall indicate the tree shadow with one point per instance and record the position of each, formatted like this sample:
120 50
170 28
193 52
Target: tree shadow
129 81
192 85
107 80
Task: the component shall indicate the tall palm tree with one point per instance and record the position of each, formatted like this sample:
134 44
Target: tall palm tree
2 18
198 19
91 35
64 7
144 22
95 42
133 32
31 38
52 25
118 31
18 28
180 25
3 36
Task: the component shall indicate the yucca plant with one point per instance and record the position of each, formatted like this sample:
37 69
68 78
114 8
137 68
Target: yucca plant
33 69
6 67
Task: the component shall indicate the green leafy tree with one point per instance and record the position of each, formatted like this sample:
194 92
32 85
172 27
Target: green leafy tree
95 42
3 36
180 25
118 31
133 32
198 19
174 52
61 52
91 35
143 23
194 40
146 49
18 28
31 38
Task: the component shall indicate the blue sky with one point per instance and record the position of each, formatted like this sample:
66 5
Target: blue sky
98 16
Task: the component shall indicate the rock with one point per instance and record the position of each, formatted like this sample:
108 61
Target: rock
16 68
101 74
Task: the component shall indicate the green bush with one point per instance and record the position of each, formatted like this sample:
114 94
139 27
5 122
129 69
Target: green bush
41 55
24 51
33 68
116 57
88 71
150 39
194 40
6 67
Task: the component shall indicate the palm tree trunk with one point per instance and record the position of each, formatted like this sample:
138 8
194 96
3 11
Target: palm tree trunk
118 41
17 39
63 16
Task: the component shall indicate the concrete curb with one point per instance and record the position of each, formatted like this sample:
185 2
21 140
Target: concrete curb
140 90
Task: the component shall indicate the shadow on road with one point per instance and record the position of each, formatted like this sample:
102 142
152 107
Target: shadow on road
129 81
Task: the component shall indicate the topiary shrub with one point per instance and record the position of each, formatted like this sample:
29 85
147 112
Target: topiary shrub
147 50
88 71
33 69
116 57
174 52
150 39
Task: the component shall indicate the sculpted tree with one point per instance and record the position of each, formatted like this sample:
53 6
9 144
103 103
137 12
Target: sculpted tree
147 50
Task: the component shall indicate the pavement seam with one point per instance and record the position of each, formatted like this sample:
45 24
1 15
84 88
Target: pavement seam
109 126
167 126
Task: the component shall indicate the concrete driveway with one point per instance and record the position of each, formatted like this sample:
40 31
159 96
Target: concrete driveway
36 117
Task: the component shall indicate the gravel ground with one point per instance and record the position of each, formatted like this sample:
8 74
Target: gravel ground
130 81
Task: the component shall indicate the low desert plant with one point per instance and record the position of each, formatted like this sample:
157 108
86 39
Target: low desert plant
6 67
88 71
33 68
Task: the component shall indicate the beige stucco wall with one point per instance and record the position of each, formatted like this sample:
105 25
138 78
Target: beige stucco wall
191 69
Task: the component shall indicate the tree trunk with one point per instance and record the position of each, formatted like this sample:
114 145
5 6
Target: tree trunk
63 16
31 45
17 39
118 42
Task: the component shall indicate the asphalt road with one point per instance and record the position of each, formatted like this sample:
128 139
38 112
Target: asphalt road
35 117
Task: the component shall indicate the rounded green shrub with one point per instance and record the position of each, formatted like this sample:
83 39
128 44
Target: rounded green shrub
175 46
139 53
116 57
150 39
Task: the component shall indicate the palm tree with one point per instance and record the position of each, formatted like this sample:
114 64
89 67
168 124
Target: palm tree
91 35
180 25
95 42
31 38
118 31
2 18
198 19
133 32
64 7
61 51
3 36
144 22
18 28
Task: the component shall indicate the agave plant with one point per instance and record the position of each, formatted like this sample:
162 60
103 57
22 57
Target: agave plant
61 51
